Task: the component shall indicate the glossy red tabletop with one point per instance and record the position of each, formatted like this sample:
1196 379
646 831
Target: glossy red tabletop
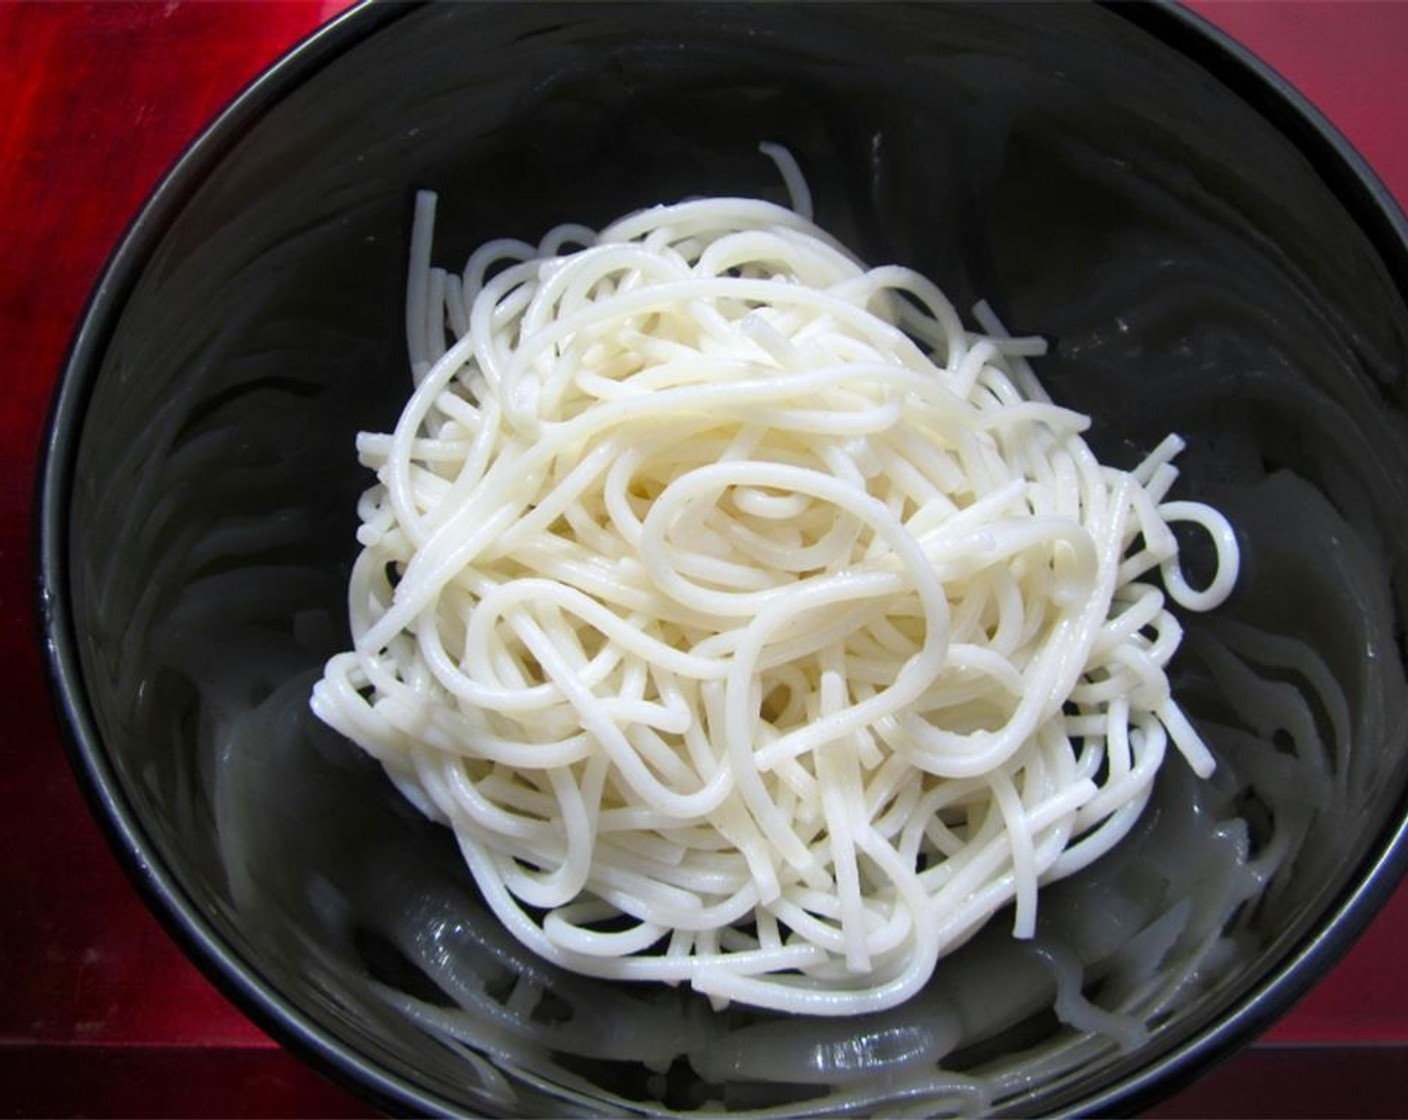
100 1014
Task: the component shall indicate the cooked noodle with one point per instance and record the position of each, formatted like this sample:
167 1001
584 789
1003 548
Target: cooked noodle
753 623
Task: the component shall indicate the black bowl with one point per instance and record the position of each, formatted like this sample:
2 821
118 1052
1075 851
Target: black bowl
1205 254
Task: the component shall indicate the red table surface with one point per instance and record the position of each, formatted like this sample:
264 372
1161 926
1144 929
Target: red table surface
100 1014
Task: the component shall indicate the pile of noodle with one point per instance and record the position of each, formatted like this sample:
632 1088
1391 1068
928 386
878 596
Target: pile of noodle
754 624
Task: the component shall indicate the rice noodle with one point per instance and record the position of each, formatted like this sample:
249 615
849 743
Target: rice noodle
753 623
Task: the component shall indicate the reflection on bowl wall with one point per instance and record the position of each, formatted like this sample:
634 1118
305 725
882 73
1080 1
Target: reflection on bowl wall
1193 272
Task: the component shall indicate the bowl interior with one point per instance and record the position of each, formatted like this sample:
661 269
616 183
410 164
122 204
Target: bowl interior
1192 273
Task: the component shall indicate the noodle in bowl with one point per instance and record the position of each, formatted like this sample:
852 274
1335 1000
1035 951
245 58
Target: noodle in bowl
838 704
747 602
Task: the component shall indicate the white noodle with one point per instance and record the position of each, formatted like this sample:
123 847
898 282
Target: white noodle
753 621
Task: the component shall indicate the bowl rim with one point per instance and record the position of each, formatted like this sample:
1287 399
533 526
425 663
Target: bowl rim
1335 161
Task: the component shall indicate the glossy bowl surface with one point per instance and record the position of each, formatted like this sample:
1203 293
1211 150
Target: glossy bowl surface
1201 249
